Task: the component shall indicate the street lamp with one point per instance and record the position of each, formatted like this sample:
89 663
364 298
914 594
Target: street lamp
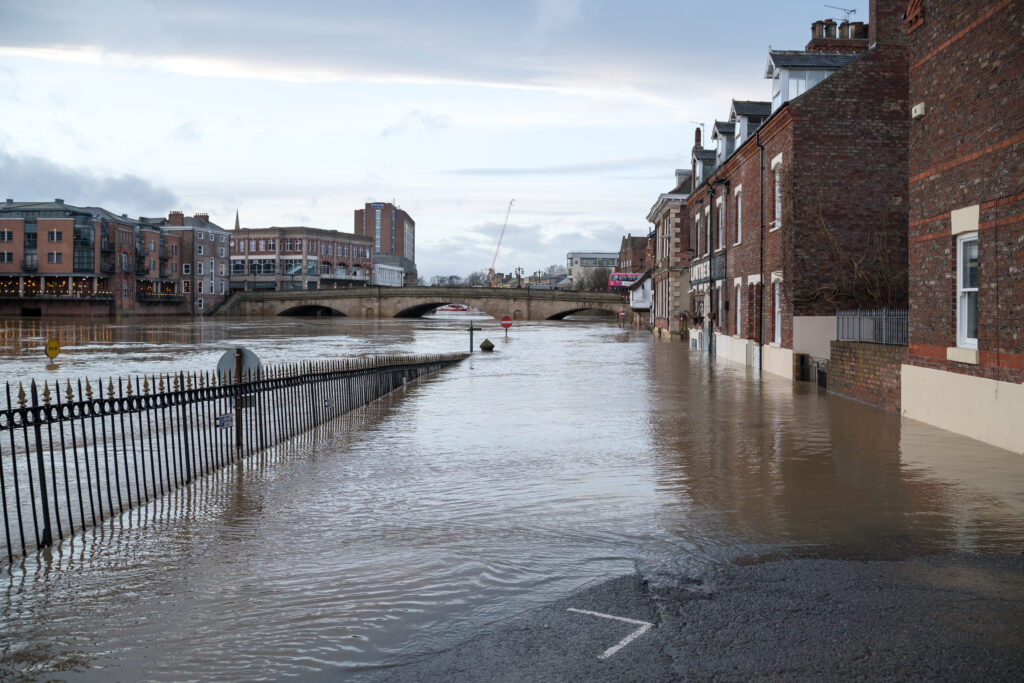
519 277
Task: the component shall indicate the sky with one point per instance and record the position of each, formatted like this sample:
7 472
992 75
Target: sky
298 113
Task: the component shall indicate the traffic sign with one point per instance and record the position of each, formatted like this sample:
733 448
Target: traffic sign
506 321
52 348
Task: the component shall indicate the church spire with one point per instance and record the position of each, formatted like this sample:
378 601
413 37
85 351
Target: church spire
237 226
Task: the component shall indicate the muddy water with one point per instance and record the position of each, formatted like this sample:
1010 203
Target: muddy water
576 451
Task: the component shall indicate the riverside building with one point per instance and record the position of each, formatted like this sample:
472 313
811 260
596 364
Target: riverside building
392 232
296 258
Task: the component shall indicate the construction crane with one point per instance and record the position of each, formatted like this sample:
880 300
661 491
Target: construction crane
490 271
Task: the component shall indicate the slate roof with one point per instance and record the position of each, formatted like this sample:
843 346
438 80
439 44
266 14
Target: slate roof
798 59
751 108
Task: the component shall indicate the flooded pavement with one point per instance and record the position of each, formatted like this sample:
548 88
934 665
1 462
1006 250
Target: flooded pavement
577 451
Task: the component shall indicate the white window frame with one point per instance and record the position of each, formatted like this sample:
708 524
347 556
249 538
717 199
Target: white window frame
186 268
777 317
776 222
199 303
721 223
739 214
199 268
739 307
963 292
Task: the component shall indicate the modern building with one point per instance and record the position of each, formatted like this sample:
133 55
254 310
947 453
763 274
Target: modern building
205 258
387 276
804 212
581 265
58 259
393 235
670 258
293 258
964 369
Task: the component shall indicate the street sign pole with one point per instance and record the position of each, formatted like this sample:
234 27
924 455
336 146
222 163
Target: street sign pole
506 322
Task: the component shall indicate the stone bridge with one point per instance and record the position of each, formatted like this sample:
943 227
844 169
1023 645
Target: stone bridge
413 302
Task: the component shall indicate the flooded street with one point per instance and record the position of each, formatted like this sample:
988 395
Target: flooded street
577 451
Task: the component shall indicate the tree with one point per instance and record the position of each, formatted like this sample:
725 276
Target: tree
477 278
592 280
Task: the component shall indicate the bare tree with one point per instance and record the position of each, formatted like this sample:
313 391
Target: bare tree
477 278
592 280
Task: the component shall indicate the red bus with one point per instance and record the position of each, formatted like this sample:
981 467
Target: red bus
618 282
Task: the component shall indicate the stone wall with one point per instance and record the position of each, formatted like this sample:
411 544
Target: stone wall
869 373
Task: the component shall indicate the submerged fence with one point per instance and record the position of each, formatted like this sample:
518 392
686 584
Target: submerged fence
74 455
879 326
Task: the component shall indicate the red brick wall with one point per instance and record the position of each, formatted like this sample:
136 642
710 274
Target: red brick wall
869 373
967 69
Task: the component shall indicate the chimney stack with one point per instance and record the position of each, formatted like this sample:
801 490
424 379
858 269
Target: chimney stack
818 30
176 218
844 30
203 217
830 28
696 137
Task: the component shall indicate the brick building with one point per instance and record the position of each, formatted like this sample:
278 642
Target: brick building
965 362
58 259
204 250
293 258
634 254
670 258
393 232
807 212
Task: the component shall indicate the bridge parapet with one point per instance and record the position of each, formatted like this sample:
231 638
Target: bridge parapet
400 302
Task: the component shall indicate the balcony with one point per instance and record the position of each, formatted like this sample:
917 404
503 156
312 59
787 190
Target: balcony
160 298
30 265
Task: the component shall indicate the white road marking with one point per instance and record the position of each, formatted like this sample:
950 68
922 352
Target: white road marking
644 628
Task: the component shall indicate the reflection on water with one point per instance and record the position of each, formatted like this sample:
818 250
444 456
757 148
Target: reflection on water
576 451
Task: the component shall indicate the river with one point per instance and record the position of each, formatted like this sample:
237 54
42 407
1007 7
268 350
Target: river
575 452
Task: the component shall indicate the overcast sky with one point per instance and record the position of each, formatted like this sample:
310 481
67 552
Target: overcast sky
296 113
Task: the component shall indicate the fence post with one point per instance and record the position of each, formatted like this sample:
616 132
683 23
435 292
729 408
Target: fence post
47 537
238 401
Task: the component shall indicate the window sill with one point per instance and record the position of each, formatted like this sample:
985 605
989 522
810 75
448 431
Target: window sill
736 244
959 354
773 229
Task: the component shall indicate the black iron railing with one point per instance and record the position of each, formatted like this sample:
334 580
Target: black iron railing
73 455
878 326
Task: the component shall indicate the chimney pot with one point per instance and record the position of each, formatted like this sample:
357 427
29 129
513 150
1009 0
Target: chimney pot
844 30
696 136
817 29
830 28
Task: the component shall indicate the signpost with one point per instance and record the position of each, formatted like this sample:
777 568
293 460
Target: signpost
52 348
506 322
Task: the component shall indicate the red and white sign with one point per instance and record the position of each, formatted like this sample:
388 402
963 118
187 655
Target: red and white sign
506 321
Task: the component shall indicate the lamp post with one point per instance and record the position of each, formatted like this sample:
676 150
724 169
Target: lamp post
519 277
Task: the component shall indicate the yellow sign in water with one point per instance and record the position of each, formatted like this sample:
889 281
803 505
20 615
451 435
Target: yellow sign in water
52 348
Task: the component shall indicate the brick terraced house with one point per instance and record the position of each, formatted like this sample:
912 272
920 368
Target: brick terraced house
802 208
965 361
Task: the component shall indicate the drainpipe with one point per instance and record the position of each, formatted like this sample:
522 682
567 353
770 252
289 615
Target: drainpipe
760 299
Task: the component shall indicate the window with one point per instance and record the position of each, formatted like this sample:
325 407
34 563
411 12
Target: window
967 290
220 252
237 267
262 244
186 286
739 308
152 246
222 287
777 340
739 217
777 177
199 268
271 245
6 236
186 268
199 235
55 236
6 257
199 286
174 249
199 249
721 222
199 301
287 245
222 238
377 232
54 257
222 270
174 267
152 264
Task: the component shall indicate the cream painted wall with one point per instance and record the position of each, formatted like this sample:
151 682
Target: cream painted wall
731 348
983 409
812 334
778 361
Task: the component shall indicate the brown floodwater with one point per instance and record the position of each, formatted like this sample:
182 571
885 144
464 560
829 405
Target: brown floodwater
576 451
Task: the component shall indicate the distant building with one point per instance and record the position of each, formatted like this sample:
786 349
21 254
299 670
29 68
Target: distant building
393 235
204 258
296 258
634 254
578 264
387 276
670 257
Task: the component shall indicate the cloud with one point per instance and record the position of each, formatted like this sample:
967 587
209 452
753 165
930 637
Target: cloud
187 132
553 15
417 120
28 178
586 167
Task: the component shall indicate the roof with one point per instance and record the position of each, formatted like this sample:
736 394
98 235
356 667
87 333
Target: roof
722 128
705 154
751 108
806 60
41 206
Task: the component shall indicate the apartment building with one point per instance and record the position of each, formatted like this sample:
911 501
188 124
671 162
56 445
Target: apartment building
393 235
295 258
204 260
670 258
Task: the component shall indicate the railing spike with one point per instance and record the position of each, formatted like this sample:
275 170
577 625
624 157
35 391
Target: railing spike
129 390
145 385
46 392
88 390
21 395
110 387
69 392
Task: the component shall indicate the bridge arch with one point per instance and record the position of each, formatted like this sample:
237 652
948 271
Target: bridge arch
573 311
312 311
